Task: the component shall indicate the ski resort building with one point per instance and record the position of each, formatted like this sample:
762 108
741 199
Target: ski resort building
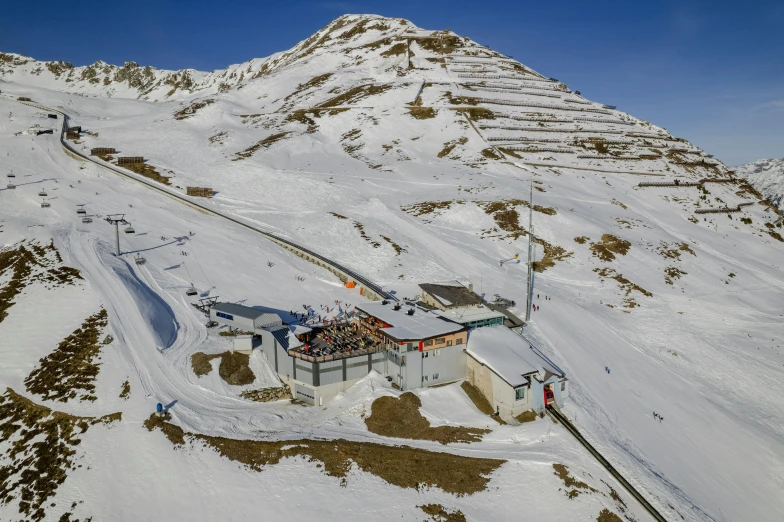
411 346
472 316
449 294
421 348
243 318
512 374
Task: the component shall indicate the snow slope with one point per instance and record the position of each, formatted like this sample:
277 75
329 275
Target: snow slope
327 149
767 176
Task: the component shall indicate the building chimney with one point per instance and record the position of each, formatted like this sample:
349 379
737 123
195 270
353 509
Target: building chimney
470 287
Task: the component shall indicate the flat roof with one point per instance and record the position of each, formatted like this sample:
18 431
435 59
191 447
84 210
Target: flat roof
507 354
266 318
404 327
467 314
451 293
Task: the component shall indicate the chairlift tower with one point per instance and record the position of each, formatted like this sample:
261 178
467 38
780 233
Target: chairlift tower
117 220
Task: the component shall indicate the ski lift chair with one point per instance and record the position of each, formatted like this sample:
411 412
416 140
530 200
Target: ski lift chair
42 193
130 229
11 186
81 211
87 220
191 292
11 175
45 204
140 260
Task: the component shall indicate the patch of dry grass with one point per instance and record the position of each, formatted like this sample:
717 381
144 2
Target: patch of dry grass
491 154
400 417
40 451
477 113
263 144
233 369
605 515
439 513
625 284
480 401
570 482
582 239
398 49
125 393
672 273
355 94
192 109
69 371
428 207
450 146
422 113
401 466
148 171
526 416
609 246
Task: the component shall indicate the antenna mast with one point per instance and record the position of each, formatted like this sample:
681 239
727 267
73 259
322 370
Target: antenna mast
529 290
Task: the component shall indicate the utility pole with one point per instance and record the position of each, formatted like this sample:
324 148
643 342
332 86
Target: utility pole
117 220
529 293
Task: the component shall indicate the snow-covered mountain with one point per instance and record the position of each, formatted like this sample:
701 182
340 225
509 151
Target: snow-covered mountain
407 155
767 176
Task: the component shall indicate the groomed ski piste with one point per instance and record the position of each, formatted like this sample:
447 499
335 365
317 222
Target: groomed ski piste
704 351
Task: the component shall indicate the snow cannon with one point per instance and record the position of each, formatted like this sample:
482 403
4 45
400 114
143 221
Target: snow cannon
159 410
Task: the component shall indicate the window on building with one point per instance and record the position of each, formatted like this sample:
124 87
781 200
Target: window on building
225 316
426 354
519 394
437 351
429 342
459 341
410 346
426 378
563 386
435 376
440 340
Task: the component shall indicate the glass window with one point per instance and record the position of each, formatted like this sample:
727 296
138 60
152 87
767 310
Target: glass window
563 386
519 394
426 354
426 378
435 376
459 341
449 343
429 342
440 340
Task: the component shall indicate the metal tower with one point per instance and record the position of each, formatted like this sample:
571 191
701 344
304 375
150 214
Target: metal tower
117 220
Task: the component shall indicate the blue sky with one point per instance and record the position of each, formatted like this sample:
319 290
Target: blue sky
711 72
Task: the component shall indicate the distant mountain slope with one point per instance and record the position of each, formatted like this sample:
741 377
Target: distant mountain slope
767 176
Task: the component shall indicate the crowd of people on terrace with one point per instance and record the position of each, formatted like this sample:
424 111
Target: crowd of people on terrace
338 338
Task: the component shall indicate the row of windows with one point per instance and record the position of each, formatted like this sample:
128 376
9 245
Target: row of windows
225 316
442 340
426 378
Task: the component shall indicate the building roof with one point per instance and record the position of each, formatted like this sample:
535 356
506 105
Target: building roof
261 318
239 310
404 327
451 293
468 314
508 355
285 337
511 321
